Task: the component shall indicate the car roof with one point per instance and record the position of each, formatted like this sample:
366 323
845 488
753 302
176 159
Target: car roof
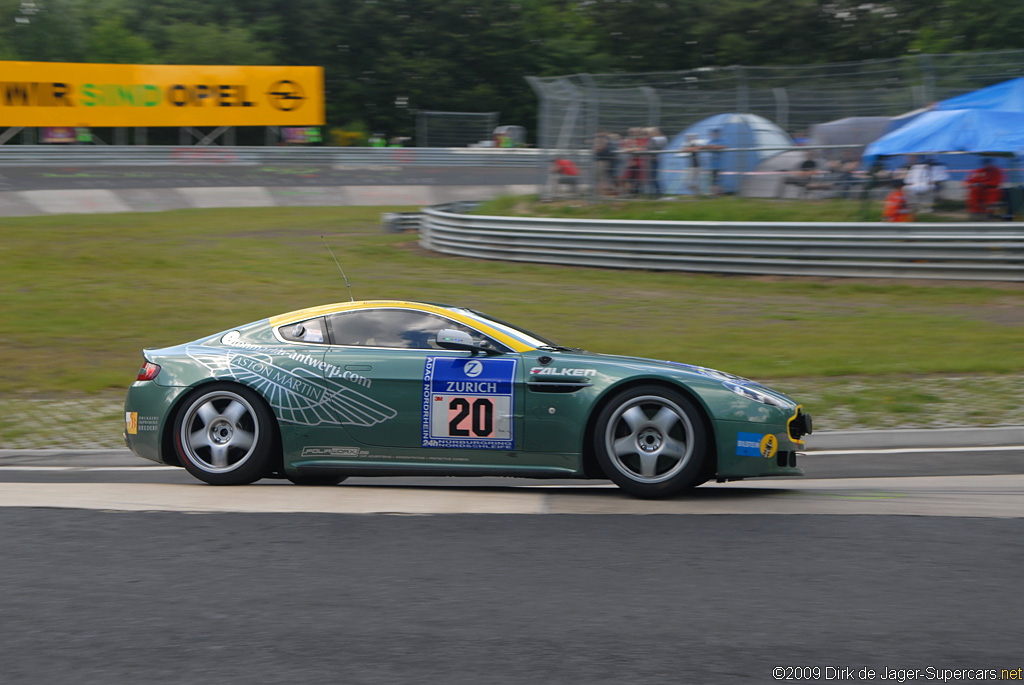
458 314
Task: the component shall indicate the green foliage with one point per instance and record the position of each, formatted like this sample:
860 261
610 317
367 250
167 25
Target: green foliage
385 59
112 42
212 44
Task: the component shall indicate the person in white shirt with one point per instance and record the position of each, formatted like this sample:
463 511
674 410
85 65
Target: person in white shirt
920 184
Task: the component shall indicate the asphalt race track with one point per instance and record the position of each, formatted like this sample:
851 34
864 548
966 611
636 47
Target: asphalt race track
114 571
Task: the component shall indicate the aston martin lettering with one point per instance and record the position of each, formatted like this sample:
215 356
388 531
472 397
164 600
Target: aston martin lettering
554 371
473 414
280 377
296 396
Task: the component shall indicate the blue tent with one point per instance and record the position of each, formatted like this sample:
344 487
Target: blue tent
955 130
738 131
990 120
1007 96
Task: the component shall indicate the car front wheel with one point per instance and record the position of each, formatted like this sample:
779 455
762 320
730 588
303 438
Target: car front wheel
225 435
651 442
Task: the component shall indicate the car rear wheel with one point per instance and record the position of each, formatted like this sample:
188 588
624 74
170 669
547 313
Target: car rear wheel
651 442
225 435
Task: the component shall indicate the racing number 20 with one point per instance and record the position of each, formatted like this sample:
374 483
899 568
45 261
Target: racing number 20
482 411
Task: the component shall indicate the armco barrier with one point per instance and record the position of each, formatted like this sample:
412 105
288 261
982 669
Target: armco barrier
136 155
975 251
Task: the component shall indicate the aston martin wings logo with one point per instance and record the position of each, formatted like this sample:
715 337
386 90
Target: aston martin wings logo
297 396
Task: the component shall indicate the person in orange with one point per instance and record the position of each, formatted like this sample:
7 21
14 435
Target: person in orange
896 207
984 189
564 172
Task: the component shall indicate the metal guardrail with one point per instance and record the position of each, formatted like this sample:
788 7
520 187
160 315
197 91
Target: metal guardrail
144 155
975 251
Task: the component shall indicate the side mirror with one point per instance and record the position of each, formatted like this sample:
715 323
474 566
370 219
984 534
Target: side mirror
451 339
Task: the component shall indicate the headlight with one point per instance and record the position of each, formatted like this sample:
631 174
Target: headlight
755 394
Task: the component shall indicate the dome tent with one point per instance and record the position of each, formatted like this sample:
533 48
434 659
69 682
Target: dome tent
738 131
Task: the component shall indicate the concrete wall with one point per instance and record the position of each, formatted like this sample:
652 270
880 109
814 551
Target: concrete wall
101 201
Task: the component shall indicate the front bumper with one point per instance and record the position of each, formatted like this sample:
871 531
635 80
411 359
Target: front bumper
750 450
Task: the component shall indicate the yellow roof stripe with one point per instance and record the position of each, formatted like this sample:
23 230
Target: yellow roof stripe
322 310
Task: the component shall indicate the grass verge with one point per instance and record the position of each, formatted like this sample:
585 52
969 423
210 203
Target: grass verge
682 208
81 295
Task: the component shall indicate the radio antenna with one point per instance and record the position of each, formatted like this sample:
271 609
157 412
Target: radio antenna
347 284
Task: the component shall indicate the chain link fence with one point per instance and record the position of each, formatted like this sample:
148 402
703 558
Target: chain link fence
454 129
577 110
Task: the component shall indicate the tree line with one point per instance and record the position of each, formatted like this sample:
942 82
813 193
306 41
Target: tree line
385 59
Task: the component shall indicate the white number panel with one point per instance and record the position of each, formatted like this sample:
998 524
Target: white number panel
468 403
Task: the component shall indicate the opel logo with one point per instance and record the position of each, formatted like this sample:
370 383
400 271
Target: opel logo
286 95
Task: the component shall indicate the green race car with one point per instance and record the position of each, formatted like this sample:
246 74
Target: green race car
406 388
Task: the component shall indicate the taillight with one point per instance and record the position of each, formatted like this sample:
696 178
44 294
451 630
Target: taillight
148 371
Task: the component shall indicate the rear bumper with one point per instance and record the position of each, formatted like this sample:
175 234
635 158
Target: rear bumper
147 418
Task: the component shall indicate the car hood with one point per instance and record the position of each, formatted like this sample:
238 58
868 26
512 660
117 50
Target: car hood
678 371
661 365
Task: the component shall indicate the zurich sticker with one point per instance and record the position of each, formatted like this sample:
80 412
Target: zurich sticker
468 403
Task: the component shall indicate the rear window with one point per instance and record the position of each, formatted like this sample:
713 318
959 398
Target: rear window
308 331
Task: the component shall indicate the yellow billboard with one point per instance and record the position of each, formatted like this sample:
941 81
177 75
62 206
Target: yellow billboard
96 95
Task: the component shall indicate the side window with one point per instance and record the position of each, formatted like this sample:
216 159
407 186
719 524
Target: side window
309 331
399 328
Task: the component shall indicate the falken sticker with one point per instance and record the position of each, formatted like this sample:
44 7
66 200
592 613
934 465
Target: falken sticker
298 396
756 445
468 403
555 371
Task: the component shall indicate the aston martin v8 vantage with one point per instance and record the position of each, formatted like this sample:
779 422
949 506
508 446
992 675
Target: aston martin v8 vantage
382 388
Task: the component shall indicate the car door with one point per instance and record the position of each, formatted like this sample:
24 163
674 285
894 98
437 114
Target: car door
407 393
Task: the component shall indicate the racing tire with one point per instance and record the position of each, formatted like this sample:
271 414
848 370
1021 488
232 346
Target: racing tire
224 434
315 480
651 442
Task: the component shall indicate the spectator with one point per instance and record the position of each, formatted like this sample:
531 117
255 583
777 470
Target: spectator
691 153
939 174
604 154
803 176
917 186
984 189
615 147
715 146
847 175
564 172
896 207
656 142
634 172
